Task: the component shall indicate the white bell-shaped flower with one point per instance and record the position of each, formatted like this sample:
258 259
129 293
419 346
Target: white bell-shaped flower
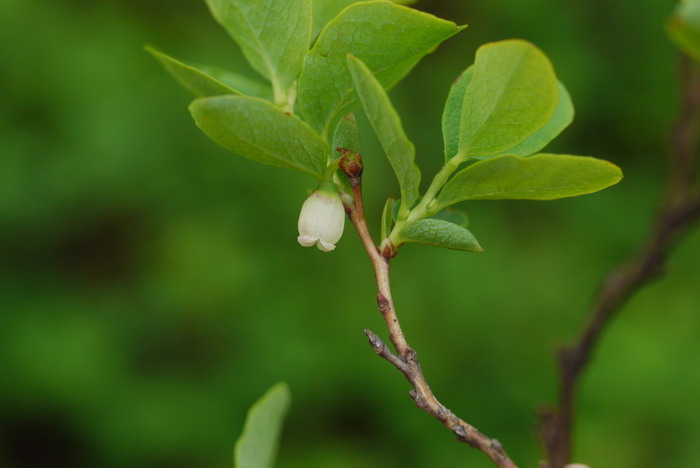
322 218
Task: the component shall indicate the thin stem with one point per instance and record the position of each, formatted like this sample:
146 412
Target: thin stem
424 209
680 210
406 359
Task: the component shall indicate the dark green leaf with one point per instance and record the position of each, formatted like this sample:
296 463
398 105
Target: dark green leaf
440 233
258 130
387 124
273 34
389 38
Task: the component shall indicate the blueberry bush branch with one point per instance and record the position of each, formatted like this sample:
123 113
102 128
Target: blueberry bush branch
406 359
500 113
679 210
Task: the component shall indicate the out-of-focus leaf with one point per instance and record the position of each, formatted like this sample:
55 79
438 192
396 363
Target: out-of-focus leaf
390 39
196 81
538 177
273 34
684 27
259 130
387 124
244 84
511 95
440 233
257 445
454 216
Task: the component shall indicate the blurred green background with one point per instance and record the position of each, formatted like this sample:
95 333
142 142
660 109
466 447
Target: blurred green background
152 286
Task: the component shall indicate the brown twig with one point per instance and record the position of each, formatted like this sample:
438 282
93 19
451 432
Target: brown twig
406 359
680 208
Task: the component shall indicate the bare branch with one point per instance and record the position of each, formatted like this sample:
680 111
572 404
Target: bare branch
406 359
680 209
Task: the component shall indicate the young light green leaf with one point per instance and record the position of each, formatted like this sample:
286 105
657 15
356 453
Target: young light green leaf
196 81
451 118
257 445
326 10
389 38
387 217
241 83
440 233
387 124
538 177
273 34
259 130
347 135
683 27
562 117
511 95
452 114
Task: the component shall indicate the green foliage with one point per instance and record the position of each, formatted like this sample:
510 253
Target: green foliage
261 131
538 177
387 125
257 445
502 109
390 39
440 233
684 27
273 37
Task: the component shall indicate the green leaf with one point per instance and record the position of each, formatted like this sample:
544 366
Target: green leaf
511 95
683 27
257 445
389 38
387 124
440 233
273 34
452 115
387 217
538 177
347 135
247 86
258 130
194 80
326 10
